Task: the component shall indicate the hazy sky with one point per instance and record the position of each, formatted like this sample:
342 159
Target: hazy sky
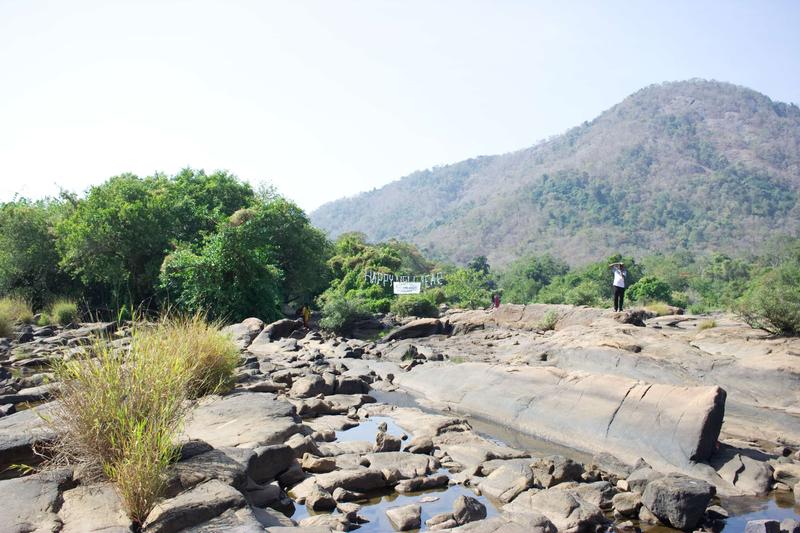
329 98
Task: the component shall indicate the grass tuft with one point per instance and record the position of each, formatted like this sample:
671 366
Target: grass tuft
706 324
64 312
15 310
549 320
658 308
121 409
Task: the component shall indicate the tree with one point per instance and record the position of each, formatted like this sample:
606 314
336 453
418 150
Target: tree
251 267
524 278
468 288
651 289
28 255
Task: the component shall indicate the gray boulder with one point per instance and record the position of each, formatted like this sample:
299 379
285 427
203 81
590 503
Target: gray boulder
468 509
19 433
762 526
93 508
678 500
244 332
422 327
790 525
31 502
281 328
193 507
567 511
406 517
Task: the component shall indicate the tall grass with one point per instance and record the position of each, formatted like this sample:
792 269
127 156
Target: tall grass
13 311
548 321
64 312
658 308
706 324
120 410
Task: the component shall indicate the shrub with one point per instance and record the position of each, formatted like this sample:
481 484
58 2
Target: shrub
120 411
64 312
706 324
16 310
772 302
6 326
44 320
651 289
549 320
340 313
415 305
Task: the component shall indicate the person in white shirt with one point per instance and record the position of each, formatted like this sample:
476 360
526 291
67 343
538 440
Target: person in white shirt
620 274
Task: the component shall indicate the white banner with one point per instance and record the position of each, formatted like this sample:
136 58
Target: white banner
407 287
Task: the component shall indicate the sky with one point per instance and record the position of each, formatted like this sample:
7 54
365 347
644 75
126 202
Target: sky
324 99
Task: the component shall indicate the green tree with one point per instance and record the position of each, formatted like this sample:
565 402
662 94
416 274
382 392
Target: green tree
772 301
524 278
468 288
28 255
651 289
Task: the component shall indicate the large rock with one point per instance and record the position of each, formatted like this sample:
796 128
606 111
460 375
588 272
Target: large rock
244 332
506 482
360 480
568 512
678 500
631 419
246 420
30 503
422 327
19 433
407 465
468 509
93 508
406 517
200 504
748 474
243 520
762 526
281 328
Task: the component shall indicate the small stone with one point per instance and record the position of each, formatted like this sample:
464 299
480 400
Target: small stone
428 499
626 504
715 511
318 465
383 427
622 484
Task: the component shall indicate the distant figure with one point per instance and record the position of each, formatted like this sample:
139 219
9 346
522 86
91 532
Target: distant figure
620 274
495 300
306 316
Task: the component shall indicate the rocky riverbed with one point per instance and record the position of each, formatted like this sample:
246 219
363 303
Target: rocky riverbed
672 426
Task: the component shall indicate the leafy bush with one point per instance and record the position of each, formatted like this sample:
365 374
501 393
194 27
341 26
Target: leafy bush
772 302
415 305
468 288
549 320
44 320
340 314
64 312
651 289
16 310
6 326
120 411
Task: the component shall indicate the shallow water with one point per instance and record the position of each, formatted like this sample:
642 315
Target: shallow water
775 506
368 429
374 509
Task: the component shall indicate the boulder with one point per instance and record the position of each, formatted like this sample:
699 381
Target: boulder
281 328
640 477
747 474
324 523
550 471
506 482
244 332
422 327
407 465
422 444
34 502
678 500
309 386
319 499
19 433
269 462
790 525
788 473
567 512
631 419
626 504
93 508
246 420
422 483
406 517
384 442
599 493
213 464
318 465
195 506
468 509
360 480
243 520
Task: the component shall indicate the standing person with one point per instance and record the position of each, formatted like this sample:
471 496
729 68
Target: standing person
306 315
620 275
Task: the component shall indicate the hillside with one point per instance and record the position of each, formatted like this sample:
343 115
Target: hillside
695 165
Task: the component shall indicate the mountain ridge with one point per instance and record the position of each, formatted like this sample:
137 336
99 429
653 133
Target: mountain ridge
638 178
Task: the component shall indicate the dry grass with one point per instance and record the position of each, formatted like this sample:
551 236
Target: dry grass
549 320
706 324
64 312
658 308
120 410
13 311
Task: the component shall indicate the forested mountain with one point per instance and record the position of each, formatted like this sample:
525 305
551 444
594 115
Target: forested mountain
694 165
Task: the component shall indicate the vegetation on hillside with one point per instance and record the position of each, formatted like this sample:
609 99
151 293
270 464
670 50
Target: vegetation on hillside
686 166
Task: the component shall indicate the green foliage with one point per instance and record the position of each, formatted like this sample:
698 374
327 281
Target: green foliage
115 240
419 305
353 258
250 268
651 289
524 278
590 285
339 314
549 320
468 288
64 312
44 320
28 255
772 302
15 310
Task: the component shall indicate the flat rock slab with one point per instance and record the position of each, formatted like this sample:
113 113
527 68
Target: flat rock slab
18 434
30 503
93 508
193 507
245 420
662 423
